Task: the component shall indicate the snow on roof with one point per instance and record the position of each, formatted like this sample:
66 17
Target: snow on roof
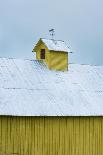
56 45
28 88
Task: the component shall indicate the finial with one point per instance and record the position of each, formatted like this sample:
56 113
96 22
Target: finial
52 33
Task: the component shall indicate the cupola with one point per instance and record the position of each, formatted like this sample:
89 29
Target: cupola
53 52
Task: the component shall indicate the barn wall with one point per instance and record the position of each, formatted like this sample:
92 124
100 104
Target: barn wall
51 135
59 60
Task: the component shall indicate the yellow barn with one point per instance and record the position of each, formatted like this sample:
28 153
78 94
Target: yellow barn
53 52
45 112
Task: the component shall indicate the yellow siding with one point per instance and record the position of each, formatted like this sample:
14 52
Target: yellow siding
59 60
47 53
51 135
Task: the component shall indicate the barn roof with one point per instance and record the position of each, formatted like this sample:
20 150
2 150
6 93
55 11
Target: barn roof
56 45
28 88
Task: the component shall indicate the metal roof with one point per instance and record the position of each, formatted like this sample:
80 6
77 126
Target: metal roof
28 88
56 45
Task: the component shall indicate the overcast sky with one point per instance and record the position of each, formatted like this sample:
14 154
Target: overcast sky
78 22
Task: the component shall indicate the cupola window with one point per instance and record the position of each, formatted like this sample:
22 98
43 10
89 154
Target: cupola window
42 54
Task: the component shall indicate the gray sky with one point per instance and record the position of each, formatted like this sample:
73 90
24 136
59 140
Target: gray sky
78 22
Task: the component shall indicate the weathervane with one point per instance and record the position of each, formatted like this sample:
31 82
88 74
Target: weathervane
52 33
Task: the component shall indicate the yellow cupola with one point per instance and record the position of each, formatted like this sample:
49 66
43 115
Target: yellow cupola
53 52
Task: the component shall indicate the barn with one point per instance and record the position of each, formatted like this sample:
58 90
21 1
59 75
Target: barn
48 112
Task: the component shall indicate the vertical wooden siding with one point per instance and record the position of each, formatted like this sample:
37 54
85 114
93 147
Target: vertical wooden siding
51 135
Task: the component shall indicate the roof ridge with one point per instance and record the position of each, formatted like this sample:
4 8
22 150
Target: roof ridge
17 58
38 60
52 39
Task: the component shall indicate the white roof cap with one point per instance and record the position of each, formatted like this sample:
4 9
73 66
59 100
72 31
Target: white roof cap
56 45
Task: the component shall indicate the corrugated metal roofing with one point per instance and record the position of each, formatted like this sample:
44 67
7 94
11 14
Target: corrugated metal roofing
28 88
56 45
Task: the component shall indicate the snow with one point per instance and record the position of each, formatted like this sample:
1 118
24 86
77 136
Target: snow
28 88
56 45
